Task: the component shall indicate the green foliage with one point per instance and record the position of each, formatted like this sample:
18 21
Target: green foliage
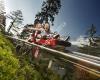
16 18
18 67
47 74
8 63
28 73
36 70
50 8
11 68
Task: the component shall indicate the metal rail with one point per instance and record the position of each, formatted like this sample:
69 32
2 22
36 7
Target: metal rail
86 55
88 59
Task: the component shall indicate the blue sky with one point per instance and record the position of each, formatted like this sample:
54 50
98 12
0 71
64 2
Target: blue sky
28 7
74 18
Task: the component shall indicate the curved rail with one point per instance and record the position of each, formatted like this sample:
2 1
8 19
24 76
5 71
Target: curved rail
88 59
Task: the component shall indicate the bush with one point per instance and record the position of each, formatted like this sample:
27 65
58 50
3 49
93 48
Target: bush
18 67
9 64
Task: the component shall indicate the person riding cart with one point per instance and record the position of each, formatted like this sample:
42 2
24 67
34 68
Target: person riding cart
43 36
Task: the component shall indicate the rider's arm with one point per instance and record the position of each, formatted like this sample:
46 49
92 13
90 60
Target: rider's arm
36 29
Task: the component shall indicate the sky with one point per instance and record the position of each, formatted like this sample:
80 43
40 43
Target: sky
74 18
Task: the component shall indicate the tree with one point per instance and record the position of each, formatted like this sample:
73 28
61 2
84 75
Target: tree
91 32
2 16
2 28
16 18
9 64
2 8
50 8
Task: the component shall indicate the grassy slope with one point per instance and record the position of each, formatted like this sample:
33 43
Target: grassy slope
18 67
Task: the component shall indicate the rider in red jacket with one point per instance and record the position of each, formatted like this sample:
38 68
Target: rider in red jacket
47 38
35 37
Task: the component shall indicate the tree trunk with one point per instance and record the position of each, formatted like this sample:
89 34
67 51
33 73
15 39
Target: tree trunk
12 23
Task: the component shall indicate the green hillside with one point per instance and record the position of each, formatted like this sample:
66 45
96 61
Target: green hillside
18 67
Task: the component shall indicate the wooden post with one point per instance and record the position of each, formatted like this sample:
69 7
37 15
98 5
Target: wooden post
50 64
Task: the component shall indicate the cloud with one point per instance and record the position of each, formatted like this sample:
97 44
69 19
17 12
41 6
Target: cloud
80 41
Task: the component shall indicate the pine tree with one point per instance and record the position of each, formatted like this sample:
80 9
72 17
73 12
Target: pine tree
2 16
16 17
91 33
50 8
